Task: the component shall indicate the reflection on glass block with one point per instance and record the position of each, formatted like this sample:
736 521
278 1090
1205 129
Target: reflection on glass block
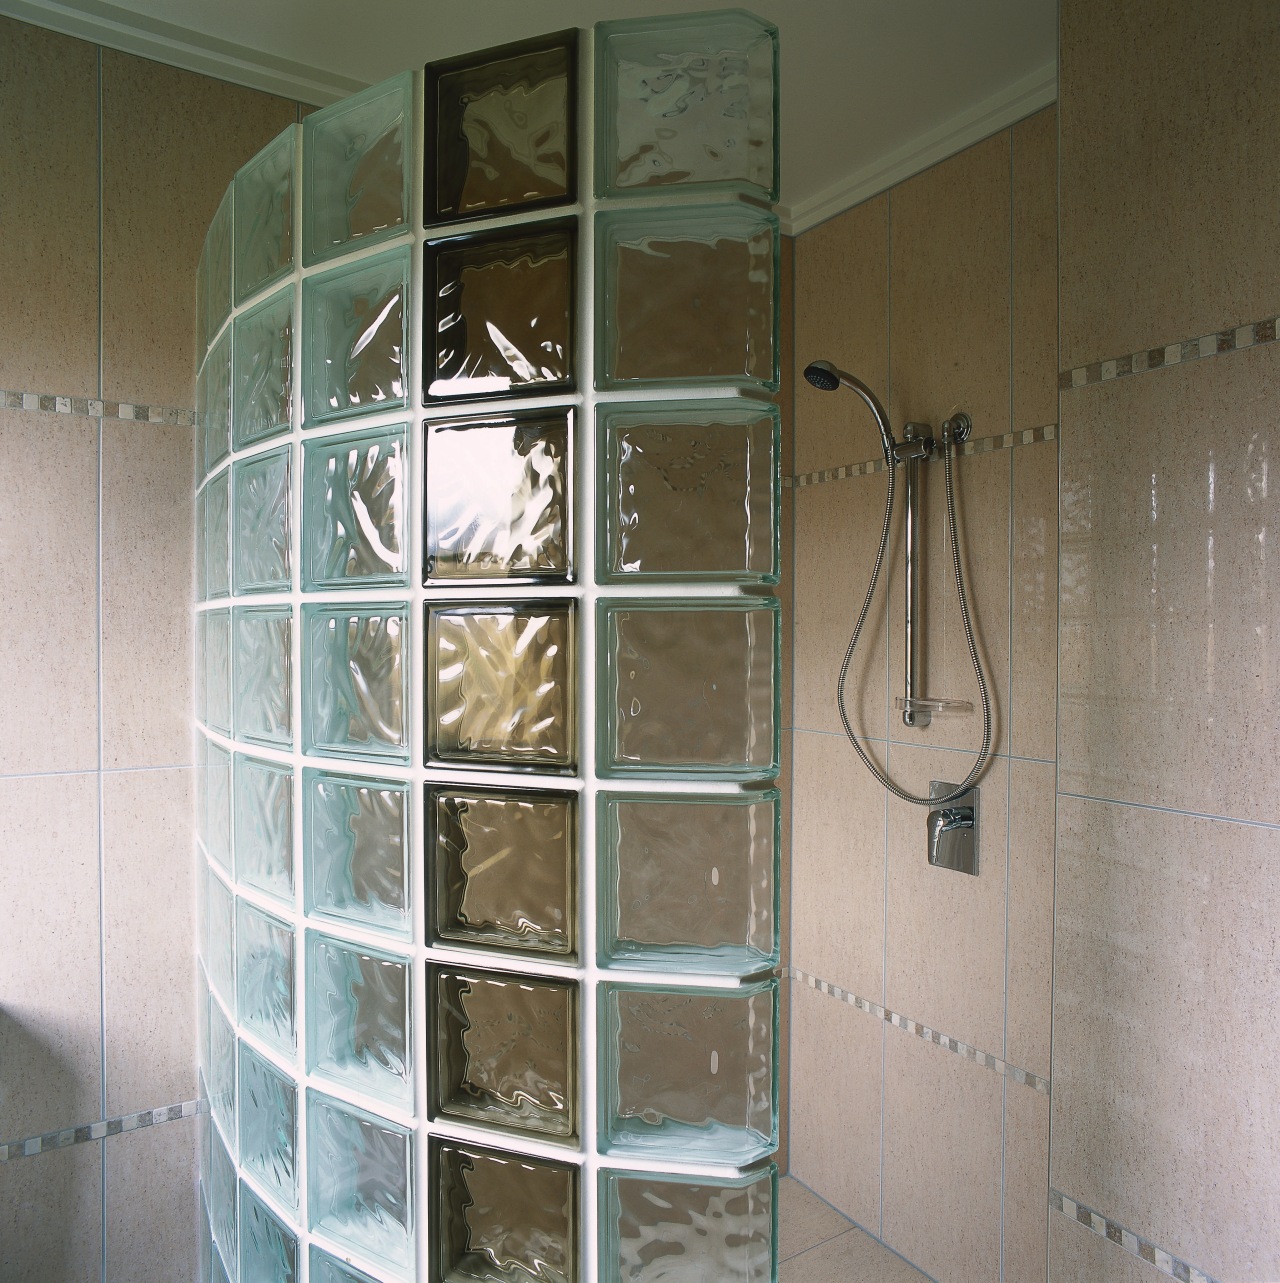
213 276
687 101
502 307
500 684
358 1003
502 1217
262 403
663 1229
222 1198
216 630
326 1269
356 844
268 1251
500 129
264 975
263 674
690 688
261 557
213 404
687 296
505 869
264 215
689 1071
689 883
356 167
353 510
222 1072
220 938
214 813
269 1125
506 1051
691 491
264 826
360 1181
498 498
218 535
355 681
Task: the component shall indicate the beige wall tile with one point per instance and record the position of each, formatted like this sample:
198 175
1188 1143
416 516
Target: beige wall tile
51 1217
854 1257
786 596
1026 1183
782 1069
1077 1255
784 786
787 352
1165 1113
804 1220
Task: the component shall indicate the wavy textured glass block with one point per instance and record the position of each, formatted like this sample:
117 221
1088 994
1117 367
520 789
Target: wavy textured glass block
355 334
498 498
268 1250
213 404
222 1200
688 101
356 848
689 1072
202 545
501 130
203 1061
327 1269
262 395
504 869
663 1229
500 684
360 1181
217 550
204 1241
263 674
355 492
356 166
687 297
215 627
220 1274
220 939
689 688
501 313
222 1072
269 1125
261 557
214 800
501 1217
264 976
358 1005
689 883
264 215
690 491
506 1051
263 808
213 276
355 681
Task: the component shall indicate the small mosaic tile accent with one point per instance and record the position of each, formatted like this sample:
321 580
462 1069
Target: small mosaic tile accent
34 1145
92 408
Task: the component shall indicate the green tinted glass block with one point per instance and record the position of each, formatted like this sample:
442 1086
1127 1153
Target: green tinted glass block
218 945
222 1199
260 558
687 102
213 404
354 497
217 549
262 393
213 277
327 1269
268 1249
220 1274
222 1072
264 215
689 688
689 883
265 985
215 801
264 826
355 681
202 982
691 490
689 1072
356 157
687 297
204 1241
355 338
269 1125
263 668
202 542
216 638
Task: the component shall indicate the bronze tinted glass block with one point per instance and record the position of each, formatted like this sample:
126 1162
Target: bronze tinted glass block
501 129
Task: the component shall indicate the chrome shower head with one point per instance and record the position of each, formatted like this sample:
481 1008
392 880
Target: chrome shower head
823 375
827 378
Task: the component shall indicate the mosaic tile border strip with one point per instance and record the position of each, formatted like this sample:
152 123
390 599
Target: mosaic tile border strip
92 408
1132 1243
945 1041
1158 358
16 1149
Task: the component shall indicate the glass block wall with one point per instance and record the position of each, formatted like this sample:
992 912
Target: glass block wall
488 684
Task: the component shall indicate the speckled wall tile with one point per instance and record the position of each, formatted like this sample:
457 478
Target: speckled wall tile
1077 1255
1026 1175
51 1217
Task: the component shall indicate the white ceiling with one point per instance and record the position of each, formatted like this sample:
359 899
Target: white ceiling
872 90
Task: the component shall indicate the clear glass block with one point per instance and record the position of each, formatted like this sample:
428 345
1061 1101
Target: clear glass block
355 338
689 883
268 1250
327 1269
356 848
687 297
213 276
354 497
689 1072
220 1274
689 688
264 976
687 101
217 552
204 1241
269 1125
501 317
215 627
355 681
504 869
691 490
500 684
501 129
358 1005
264 215
667 1229
506 1051
264 826
222 1072
261 489
213 404
360 1181
498 498
500 1217
356 157
220 938
202 545
222 1199
215 802
262 397
203 1061
263 674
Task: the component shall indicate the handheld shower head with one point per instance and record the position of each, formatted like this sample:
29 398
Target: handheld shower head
823 375
827 378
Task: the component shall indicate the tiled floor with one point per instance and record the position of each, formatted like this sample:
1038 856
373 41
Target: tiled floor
816 1244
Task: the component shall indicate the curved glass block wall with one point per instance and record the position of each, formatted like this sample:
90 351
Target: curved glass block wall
488 474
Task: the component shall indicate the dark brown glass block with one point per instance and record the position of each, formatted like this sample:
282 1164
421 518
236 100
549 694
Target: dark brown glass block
501 131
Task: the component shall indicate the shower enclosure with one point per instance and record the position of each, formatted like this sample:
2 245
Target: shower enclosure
488 672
